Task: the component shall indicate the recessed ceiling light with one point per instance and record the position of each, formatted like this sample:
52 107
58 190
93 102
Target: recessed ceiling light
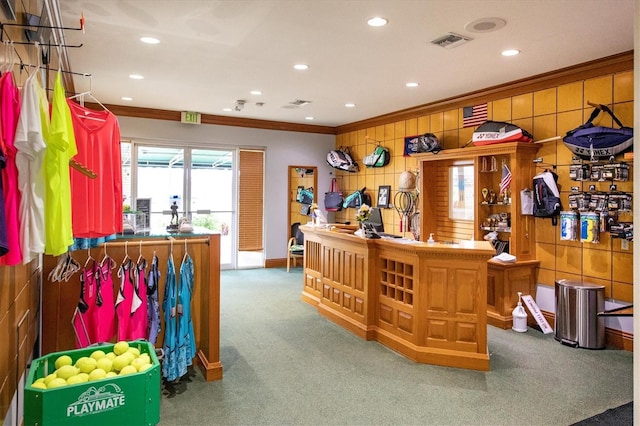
377 21
510 52
350 105
149 40
227 109
412 84
136 76
308 118
301 66
126 98
256 92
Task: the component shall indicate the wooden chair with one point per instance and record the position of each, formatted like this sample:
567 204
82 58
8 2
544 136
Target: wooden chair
295 246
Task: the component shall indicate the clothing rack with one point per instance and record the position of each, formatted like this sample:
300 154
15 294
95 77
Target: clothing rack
62 298
81 74
170 240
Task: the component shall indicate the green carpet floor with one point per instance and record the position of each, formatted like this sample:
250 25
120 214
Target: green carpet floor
285 364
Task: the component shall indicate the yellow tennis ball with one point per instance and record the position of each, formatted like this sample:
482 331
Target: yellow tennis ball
98 354
49 378
97 374
120 362
73 380
56 383
63 360
84 377
144 367
105 364
66 371
128 369
87 365
120 347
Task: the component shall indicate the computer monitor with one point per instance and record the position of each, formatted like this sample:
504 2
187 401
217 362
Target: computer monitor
375 220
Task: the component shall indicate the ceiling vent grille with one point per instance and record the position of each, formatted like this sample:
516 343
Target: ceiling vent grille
300 102
450 40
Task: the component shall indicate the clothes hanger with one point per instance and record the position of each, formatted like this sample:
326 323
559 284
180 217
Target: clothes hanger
126 253
89 257
112 263
140 258
88 93
186 252
55 273
6 55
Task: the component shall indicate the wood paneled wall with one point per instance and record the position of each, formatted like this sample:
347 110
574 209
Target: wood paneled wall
551 108
19 325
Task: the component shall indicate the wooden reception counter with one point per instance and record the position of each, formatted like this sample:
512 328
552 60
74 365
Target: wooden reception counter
427 302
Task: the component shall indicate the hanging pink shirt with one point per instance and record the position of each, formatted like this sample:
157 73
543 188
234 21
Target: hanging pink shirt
96 203
9 114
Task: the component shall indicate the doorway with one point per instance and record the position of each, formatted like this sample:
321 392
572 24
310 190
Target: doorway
300 177
201 181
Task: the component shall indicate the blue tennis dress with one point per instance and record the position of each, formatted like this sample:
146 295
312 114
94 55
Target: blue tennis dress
170 367
186 338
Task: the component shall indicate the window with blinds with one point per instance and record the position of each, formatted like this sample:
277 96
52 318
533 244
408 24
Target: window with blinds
251 200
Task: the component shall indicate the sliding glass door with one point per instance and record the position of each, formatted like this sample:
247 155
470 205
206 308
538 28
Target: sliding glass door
212 197
198 183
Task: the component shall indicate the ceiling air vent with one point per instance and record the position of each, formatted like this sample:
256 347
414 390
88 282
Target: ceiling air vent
450 40
299 102
296 104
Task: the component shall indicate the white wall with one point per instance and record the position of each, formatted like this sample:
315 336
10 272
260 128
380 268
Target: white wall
281 150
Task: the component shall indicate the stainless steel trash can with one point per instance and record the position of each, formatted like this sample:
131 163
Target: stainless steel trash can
577 320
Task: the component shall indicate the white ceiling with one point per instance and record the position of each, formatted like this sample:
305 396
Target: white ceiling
214 52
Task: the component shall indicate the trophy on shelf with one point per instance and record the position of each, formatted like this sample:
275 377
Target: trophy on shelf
493 198
494 164
489 164
484 165
485 193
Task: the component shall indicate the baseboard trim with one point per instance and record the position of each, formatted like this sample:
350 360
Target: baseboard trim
275 263
616 339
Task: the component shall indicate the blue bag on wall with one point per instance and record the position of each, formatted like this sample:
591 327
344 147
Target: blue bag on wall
590 142
357 199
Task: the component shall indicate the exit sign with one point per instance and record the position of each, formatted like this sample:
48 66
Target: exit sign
190 117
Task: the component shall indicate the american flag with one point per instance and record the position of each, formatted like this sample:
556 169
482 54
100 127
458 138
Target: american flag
506 178
475 115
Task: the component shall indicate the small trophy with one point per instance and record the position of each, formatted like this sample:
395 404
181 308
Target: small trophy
492 197
494 164
485 192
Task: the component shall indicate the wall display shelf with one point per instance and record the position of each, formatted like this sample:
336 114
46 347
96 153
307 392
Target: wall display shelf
494 212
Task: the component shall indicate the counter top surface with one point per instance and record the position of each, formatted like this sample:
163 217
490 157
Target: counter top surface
328 231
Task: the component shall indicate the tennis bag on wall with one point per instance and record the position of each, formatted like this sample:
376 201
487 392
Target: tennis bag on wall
305 196
546 197
357 199
491 132
590 142
333 199
423 143
380 157
341 159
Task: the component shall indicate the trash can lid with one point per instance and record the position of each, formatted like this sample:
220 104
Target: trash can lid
579 284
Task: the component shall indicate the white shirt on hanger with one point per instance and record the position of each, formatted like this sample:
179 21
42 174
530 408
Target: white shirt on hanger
31 147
